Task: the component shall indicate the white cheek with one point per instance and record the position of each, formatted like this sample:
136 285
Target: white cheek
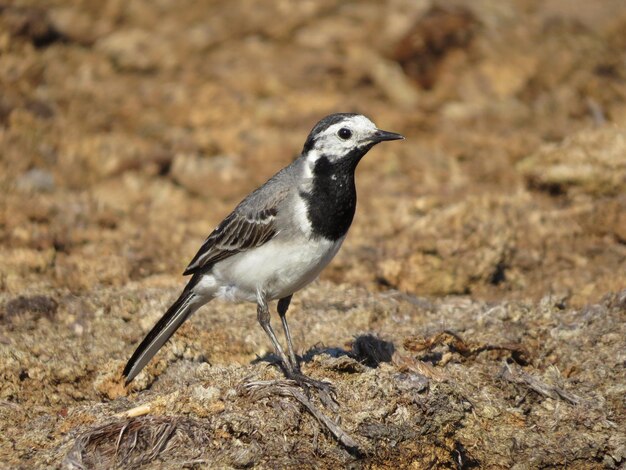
336 147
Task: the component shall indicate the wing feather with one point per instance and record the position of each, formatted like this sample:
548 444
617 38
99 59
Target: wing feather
240 231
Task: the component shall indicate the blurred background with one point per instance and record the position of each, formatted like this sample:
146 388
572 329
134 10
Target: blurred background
129 129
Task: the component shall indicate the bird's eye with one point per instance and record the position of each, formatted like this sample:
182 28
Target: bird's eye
344 133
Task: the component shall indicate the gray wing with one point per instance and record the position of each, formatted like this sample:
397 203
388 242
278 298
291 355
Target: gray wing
250 225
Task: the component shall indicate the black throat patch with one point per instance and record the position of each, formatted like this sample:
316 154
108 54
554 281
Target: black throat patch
332 201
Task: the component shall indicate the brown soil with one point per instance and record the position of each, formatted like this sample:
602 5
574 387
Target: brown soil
487 257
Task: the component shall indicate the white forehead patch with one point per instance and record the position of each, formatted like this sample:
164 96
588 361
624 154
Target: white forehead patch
329 143
359 125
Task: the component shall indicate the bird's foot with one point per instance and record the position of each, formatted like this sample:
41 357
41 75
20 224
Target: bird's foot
325 390
293 388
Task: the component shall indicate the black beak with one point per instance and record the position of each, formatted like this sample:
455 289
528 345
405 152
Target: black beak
381 136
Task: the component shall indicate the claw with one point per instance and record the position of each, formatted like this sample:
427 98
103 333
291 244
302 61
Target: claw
326 390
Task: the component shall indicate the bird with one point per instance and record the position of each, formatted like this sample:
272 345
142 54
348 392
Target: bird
278 239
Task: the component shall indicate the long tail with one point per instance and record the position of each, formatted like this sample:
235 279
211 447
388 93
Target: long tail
187 303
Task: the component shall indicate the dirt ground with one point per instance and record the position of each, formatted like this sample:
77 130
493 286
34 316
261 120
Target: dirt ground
476 315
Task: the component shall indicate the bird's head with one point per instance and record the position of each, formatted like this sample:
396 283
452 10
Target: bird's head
344 137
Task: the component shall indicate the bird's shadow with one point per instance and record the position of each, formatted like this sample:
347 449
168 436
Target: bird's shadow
367 349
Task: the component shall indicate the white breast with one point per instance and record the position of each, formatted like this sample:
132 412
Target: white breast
279 268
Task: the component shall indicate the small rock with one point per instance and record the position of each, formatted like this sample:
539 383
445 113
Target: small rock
75 25
245 456
205 394
592 161
137 50
32 24
411 382
36 180
387 75
343 364
40 305
439 31
192 171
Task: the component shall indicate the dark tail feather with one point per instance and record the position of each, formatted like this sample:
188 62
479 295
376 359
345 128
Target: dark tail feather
162 331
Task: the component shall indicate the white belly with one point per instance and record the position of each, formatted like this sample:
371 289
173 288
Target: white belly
278 269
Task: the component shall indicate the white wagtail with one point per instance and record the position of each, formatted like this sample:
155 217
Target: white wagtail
279 238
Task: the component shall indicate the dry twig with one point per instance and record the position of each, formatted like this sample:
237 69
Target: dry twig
288 388
133 442
518 376
466 349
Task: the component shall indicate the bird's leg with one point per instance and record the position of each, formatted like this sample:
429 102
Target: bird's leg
263 315
283 305
326 389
